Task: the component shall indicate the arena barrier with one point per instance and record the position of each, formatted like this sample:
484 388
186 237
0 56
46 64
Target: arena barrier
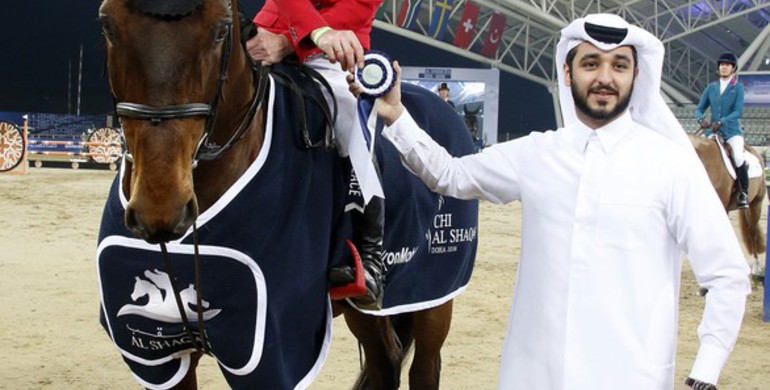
13 147
75 151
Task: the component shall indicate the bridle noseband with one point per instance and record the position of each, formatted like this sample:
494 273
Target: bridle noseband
157 115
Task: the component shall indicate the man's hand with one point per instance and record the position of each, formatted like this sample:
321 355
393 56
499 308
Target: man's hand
342 46
268 48
389 107
703 123
715 126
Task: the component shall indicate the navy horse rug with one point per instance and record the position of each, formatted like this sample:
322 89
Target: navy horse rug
430 240
265 248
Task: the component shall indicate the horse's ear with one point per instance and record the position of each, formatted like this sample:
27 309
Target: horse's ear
465 110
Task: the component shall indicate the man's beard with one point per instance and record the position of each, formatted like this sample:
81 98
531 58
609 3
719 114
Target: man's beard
581 103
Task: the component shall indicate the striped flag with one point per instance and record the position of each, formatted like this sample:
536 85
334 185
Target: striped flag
441 12
495 35
408 14
467 24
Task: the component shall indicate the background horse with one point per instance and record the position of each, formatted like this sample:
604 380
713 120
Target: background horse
472 122
751 231
225 168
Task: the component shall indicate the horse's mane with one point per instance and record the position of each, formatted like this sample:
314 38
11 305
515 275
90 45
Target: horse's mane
167 8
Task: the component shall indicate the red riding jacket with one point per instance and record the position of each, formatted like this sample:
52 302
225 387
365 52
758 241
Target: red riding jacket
296 19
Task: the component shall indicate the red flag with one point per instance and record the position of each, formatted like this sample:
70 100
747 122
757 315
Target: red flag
467 24
496 28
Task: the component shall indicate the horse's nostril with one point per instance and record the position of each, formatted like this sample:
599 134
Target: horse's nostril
134 224
186 218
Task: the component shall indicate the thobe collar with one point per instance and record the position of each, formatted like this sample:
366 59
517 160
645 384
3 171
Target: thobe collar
609 134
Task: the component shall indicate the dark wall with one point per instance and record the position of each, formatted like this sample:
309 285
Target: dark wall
41 45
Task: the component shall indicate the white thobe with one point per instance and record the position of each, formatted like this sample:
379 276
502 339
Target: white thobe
606 215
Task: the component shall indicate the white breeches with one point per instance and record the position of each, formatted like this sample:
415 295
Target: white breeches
346 102
348 130
736 144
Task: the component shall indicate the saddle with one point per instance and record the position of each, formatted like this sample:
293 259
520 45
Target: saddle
755 167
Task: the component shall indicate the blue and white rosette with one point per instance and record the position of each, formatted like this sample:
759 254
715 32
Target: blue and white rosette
376 77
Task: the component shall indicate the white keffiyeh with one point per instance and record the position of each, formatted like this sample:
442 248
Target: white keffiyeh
647 106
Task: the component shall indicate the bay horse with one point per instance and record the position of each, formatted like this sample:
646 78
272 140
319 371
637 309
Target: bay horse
230 205
751 231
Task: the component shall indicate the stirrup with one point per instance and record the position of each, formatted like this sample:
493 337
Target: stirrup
742 202
357 286
372 298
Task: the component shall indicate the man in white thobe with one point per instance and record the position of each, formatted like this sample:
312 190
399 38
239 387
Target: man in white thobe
610 203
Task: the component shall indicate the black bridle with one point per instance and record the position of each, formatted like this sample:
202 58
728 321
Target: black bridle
203 151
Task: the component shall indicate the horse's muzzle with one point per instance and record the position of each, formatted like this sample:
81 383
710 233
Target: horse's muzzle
155 230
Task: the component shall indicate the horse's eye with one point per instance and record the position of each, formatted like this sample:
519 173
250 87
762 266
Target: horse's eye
223 29
108 28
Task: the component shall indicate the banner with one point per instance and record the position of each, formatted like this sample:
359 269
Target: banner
757 88
408 14
495 35
441 12
467 25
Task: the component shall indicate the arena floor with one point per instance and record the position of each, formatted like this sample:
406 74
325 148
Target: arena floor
51 337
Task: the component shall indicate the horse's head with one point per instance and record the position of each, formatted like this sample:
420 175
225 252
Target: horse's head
169 64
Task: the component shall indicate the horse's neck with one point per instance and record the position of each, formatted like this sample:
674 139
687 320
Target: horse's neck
213 178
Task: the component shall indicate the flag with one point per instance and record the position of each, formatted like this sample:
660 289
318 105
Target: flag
441 12
408 14
496 28
467 24
383 13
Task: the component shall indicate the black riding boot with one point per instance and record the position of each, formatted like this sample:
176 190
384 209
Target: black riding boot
743 186
367 238
368 229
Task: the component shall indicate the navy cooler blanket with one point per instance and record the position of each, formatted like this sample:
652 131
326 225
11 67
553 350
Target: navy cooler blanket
265 249
430 240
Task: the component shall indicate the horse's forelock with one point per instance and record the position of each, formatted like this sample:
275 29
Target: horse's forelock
168 8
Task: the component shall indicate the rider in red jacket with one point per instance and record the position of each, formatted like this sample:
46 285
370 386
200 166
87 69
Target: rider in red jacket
322 33
344 24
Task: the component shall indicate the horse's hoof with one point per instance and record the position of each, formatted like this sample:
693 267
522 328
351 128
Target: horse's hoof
702 292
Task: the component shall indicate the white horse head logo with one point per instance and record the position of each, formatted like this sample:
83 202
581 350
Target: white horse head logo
161 305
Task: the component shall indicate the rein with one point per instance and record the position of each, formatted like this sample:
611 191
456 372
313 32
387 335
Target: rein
204 344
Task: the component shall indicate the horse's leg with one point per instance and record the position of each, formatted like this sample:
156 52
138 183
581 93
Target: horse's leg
431 328
381 350
751 232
